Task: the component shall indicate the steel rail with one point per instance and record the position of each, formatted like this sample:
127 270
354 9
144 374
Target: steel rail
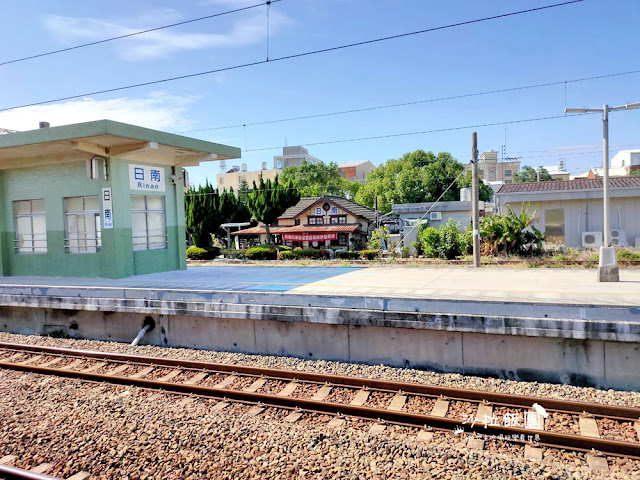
11 473
617 412
552 439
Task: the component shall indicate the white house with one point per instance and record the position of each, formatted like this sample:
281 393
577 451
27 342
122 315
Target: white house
570 212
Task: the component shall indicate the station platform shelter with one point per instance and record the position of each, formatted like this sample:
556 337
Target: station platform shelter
96 199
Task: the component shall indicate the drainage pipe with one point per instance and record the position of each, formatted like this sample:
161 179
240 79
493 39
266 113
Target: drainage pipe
141 334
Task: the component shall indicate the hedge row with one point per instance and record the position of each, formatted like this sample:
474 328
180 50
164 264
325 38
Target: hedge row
305 253
265 252
197 253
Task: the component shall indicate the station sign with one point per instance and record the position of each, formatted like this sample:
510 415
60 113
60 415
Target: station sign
107 209
146 178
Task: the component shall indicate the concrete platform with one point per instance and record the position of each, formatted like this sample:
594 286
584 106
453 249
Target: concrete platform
542 324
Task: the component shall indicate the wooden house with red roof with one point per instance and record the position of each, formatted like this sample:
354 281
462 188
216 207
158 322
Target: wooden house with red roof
316 222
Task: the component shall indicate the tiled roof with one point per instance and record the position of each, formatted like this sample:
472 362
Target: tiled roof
568 185
348 228
353 207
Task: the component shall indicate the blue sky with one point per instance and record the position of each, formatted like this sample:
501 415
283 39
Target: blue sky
591 38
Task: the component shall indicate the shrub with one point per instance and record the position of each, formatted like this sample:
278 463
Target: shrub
404 252
377 237
511 234
305 253
628 255
369 254
445 242
350 255
467 241
262 252
197 253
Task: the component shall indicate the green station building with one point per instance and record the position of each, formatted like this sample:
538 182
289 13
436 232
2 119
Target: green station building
96 199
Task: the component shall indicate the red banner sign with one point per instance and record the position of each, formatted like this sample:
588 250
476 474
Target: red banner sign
308 237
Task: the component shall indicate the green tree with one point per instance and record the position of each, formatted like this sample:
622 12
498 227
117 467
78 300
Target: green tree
414 178
200 210
315 179
485 191
206 209
232 209
243 190
529 174
268 200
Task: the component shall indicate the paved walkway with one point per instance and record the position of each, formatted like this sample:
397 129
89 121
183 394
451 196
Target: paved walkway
558 286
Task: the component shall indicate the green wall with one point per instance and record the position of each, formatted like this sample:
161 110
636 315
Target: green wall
116 258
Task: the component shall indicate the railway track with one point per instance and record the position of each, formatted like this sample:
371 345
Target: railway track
39 472
596 429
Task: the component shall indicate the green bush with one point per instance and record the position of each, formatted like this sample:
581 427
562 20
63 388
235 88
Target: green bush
197 253
445 242
404 252
305 253
350 255
369 254
511 234
262 252
377 236
628 255
467 241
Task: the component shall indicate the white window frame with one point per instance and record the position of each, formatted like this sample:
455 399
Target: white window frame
138 247
83 245
32 249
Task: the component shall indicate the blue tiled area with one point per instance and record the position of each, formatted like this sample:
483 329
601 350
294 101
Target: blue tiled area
229 278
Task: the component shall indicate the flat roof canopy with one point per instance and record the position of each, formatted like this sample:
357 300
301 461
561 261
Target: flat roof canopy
106 138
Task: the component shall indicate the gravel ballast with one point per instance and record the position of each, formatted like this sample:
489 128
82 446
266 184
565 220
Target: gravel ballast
125 432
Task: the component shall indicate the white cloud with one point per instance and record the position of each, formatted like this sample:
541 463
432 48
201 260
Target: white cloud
248 29
159 110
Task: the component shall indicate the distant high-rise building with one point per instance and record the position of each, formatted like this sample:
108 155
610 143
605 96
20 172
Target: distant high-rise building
293 157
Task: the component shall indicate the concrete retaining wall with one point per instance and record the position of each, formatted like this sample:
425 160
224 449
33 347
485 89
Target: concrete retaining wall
400 339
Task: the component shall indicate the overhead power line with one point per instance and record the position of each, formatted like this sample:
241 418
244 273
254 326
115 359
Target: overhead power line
296 55
416 102
437 130
133 34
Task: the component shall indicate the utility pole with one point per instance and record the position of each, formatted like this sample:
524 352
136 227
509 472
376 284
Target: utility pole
475 194
608 263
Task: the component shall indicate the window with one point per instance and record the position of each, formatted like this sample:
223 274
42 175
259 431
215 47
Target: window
147 222
342 219
554 225
507 173
334 210
82 225
343 239
297 221
492 174
316 220
318 210
338 219
31 230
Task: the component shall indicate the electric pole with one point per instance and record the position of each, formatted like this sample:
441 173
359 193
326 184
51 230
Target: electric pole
475 195
608 263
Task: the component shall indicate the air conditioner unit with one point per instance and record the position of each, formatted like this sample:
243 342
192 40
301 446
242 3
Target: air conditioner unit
591 239
618 238
435 216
